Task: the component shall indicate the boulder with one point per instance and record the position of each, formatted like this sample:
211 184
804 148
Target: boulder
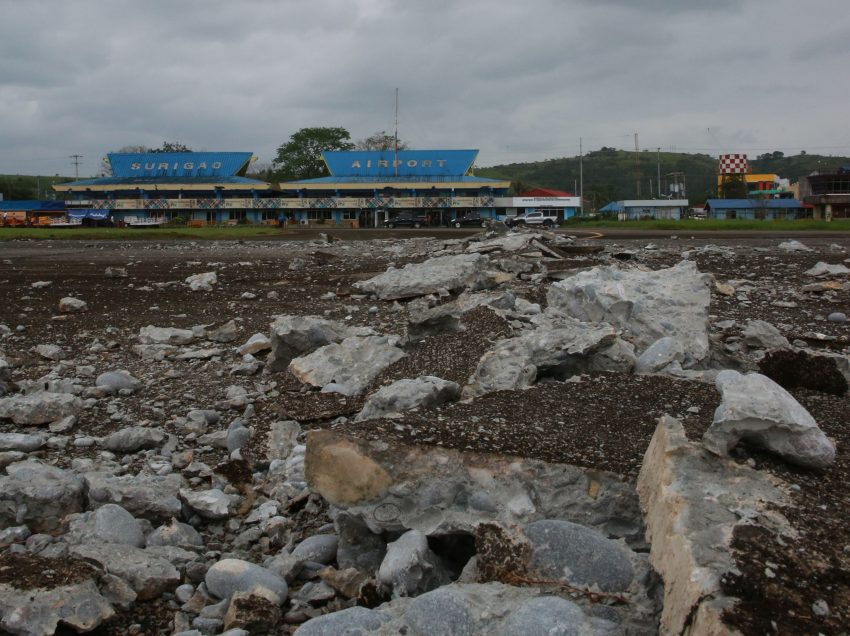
348 367
660 353
453 273
579 556
294 336
425 391
77 605
175 534
134 438
202 282
759 334
23 442
165 336
39 408
827 269
211 504
38 495
410 567
114 381
69 305
224 333
256 343
443 612
50 352
228 576
354 620
756 409
320 548
257 611
645 305
150 497
793 246
545 616
108 524
147 574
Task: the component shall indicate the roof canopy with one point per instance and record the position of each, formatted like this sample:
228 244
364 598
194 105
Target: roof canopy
380 164
179 164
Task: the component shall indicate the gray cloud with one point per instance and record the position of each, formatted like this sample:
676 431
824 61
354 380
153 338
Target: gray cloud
520 81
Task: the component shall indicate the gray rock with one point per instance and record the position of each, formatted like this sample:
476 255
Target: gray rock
358 547
348 367
646 305
38 495
150 497
134 438
79 606
662 352
151 335
837 316
50 352
793 246
354 621
39 408
176 534
580 556
756 409
410 567
256 343
108 524
234 575
147 574
21 442
545 616
114 381
211 504
425 391
320 548
202 282
827 269
70 305
15 534
224 333
452 273
443 612
763 335
294 336
283 437
115 272
237 438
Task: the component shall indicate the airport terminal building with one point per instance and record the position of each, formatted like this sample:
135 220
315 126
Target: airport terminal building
364 188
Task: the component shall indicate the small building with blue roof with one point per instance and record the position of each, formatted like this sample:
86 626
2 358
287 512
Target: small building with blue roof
756 209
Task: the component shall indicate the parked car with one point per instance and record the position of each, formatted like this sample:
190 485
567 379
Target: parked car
540 217
406 219
473 218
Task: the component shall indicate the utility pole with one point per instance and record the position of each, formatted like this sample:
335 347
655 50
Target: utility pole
76 162
395 143
637 165
581 177
658 151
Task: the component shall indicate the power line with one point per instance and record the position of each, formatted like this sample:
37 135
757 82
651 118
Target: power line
76 162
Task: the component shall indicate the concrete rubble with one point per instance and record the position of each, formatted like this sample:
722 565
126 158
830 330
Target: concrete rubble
269 459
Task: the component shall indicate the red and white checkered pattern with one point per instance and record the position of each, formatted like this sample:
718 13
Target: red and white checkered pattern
734 164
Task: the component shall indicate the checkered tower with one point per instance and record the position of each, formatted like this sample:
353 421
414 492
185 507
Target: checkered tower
731 168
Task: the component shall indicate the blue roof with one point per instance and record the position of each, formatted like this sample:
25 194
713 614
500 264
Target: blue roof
614 206
32 204
405 163
753 203
137 182
178 164
472 181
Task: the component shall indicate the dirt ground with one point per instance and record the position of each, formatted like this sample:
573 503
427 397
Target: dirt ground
603 421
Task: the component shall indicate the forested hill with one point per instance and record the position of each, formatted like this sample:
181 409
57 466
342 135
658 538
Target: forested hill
611 175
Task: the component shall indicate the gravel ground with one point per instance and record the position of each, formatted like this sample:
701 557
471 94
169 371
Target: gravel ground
601 421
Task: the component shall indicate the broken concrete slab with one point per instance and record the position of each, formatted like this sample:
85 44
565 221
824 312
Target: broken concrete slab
402 395
293 336
452 273
41 407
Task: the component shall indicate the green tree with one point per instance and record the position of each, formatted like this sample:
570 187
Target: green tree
301 156
381 141
733 186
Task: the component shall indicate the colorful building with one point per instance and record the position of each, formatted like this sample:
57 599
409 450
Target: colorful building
645 209
755 209
828 193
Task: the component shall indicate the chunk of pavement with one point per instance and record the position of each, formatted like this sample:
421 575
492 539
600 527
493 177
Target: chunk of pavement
38 495
50 352
320 548
150 497
453 273
827 269
793 246
348 367
762 335
211 504
353 621
294 336
660 353
134 438
176 534
108 524
115 381
70 305
256 343
202 282
645 305
282 438
149 575
546 616
425 391
515 363
442 612
24 442
77 605
42 407
165 335
228 576
577 555
756 409
410 567
224 333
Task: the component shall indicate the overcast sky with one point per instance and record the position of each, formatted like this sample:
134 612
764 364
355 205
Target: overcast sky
519 80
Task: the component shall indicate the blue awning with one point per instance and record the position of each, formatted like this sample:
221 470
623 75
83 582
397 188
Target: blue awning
84 213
